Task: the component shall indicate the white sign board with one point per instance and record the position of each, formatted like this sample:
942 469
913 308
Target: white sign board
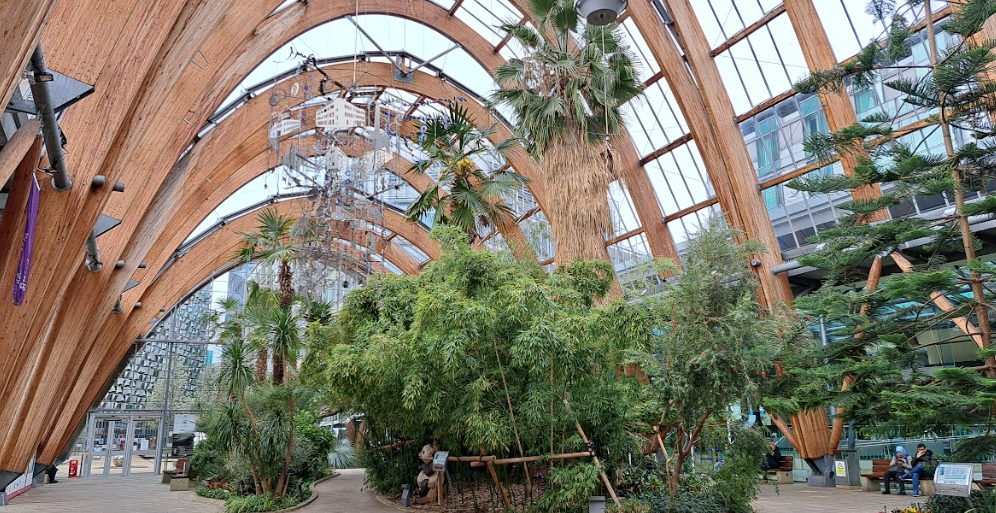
840 467
953 479
22 483
184 423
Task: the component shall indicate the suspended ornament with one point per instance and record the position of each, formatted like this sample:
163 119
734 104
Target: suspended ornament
284 125
600 12
340 114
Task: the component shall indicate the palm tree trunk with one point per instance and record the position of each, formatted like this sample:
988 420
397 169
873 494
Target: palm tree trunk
286 299
262 358
577 183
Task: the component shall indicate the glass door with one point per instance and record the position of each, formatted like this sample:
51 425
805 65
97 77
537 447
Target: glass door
145 438
114 463
98 447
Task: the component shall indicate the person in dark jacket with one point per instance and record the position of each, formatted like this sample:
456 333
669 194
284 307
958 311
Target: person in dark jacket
772 460
921 460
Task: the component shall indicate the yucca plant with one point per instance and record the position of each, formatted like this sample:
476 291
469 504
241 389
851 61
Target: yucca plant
271 243
566 94
465 195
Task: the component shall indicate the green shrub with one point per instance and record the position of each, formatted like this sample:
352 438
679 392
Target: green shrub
388 470
568 489
214 493
209 459
258 503
982 501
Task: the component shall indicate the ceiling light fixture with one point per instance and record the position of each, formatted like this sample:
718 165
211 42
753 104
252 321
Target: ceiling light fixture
600 12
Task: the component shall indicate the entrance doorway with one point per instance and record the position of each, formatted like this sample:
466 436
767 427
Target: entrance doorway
119 445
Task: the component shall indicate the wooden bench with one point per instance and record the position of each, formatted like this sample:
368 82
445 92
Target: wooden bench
872 482
783 474
179 472
988 476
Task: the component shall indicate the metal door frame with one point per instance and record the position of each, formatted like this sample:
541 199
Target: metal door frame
112 420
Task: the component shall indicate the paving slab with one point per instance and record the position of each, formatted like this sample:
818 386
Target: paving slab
799 497
346 494
143 492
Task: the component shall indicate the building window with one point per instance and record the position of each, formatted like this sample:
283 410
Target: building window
814 120
767 146
773 197
864 100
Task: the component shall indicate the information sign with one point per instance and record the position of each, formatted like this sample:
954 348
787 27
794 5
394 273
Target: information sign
953 479
840 467
439 460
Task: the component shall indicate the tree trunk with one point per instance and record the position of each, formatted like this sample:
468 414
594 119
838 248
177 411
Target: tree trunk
577 182
968 240
262 358
286 299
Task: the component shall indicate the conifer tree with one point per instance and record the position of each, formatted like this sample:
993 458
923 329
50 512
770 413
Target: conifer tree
942 280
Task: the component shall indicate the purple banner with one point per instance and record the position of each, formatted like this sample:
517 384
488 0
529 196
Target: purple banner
27 244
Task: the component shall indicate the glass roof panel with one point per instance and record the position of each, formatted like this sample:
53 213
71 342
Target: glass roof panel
410 248
679 179
392 34
624 217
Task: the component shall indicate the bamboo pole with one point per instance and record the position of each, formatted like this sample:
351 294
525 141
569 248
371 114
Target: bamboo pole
515 428
525 459
494 476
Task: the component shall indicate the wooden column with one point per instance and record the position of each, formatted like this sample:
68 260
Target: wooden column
837 106
24 21
706 107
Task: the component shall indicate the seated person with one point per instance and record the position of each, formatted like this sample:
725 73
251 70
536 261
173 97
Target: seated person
772 461
923 457
898 466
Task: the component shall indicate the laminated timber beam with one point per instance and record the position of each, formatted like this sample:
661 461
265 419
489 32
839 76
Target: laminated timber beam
129 30
837 106
705 105
16 148
201 78
205 260
140 54
24 21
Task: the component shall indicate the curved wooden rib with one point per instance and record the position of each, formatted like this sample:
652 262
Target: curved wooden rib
24 21
181 85
201 262
130 37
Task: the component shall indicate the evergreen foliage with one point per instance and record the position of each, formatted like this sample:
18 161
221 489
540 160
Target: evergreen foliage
875 333
480 353
464 195
714 345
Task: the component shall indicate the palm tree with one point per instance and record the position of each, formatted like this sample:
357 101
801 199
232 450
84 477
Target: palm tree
285 339
566 94
464 195
271 243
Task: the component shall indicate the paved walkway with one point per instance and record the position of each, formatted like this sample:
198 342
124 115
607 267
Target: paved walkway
142 492
799 497
346 494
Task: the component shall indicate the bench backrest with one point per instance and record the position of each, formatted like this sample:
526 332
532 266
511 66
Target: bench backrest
786 463
989 471
880 466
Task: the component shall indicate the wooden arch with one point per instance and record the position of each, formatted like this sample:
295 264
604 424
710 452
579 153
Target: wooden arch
200 263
